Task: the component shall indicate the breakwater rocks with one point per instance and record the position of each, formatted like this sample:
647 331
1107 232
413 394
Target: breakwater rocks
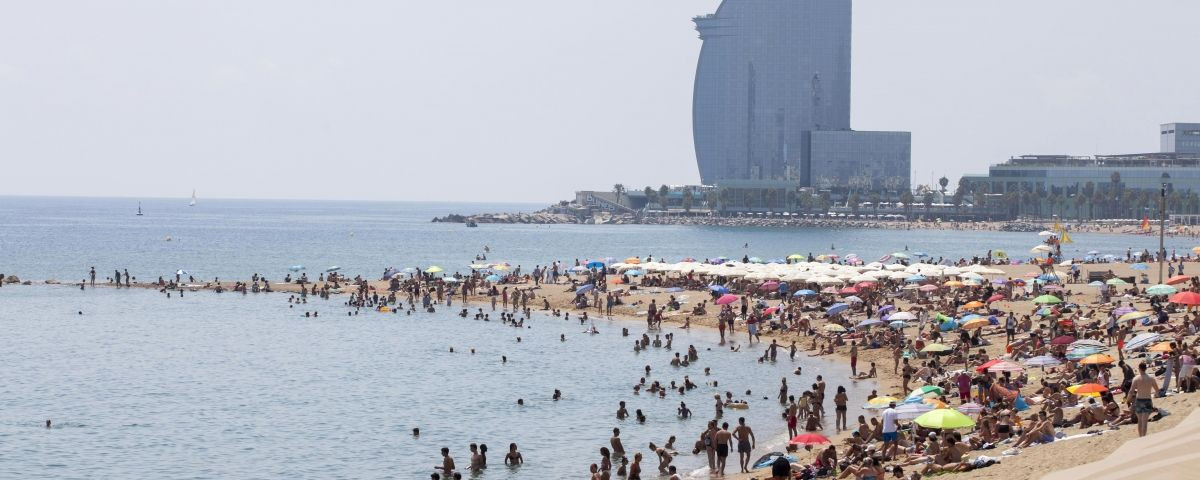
1023 227
527 218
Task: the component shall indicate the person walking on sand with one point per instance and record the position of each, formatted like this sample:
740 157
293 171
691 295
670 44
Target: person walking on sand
1141 395
746 443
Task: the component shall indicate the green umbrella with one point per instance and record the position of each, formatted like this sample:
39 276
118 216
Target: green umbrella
920 392
1044 299
945 419
1161 289
1116 281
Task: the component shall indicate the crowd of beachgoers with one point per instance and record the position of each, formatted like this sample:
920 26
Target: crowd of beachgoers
986 364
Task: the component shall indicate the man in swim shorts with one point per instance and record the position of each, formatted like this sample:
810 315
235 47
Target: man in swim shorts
723 436
1142 393
746 441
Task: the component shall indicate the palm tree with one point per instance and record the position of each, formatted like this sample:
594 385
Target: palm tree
687 200
943 182
649 192
619 189
927 199
906 197
662 196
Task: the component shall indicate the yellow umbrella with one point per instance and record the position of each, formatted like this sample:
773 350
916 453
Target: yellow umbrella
880 402
1097 359
1196 250
633 260
953 283
796 256
833 327
972 305
935 347
433 269
499 267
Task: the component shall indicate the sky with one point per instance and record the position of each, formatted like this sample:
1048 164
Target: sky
530 100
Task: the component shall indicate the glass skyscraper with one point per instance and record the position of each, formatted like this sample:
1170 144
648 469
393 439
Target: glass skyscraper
770 73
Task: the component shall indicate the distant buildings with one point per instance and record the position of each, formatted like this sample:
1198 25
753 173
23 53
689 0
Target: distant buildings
1177 164
772 100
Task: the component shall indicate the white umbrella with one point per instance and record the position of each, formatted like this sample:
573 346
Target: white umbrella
902 316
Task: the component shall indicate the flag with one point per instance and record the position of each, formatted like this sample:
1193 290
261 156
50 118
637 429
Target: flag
1146 224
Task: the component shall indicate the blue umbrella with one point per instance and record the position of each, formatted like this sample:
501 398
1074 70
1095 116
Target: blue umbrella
836 308
1048 277
870 322
804 293
718 288
635 273
584 289
492 278
915 278
595 264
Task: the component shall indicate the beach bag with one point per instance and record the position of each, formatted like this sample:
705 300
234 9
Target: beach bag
1020 404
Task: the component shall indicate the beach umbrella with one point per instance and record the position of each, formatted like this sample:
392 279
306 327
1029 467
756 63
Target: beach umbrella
595 264
1045 233
898 324
1087 389
296 268
1040 249
853 299
975 323
928 288
1135 316
578 269
770 310
833 327
995 298
926 390
1006 366
1161 289
921 254
492 278
1139 266
727 299
1164 347
804 293
836 308
901 255
1177 280
944 419
902 316
1141 341
1185 298
953 283
755 260
909 411
1043 361
1096 283
451 280
886 308
634 273
829 290
970 408
915 278
1116 281
718 288
808 439
333 269
973 305
870 322
1000 254
434 269
688 260
584 289
848 291
796 257
1196 250
1052 288
1047 300
936 348
880 402
633 260
1089 344
1097 359
768 286
1062 340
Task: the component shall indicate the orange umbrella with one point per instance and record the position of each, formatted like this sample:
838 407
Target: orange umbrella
633 260
1097 359
1087 389
1177 279
1185 298
972 305
1163 347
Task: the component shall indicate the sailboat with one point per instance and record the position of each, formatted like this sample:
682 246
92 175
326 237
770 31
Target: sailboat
193 203
139 209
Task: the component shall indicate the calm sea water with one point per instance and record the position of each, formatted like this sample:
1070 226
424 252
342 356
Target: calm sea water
229 386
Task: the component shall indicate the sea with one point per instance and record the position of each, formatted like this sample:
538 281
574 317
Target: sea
207 385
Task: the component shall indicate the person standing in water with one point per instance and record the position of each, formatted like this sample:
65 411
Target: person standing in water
746 443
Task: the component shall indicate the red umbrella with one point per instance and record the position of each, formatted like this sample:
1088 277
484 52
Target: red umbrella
808 439
770 311
1186 298
772 285
729 298
995 298
1178 279
987 365
862 285
848 291
1063 340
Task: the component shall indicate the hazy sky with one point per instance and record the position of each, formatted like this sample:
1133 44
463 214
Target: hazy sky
529 100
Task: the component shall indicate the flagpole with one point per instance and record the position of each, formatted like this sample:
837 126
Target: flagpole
1162 224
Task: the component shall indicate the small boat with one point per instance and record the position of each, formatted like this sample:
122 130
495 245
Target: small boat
193 203
139 209
471 223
